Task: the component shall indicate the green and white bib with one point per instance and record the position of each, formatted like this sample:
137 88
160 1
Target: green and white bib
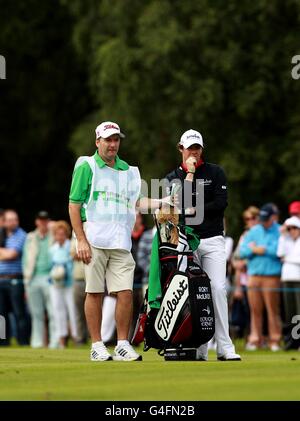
110 210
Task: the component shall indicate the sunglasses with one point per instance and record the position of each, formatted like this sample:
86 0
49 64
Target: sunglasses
292 228
250 218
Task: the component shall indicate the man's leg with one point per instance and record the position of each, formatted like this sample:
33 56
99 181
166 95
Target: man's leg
37 312
60 314
119 277
93 314
79 299
296 285
95 276
137 300
4 310
211 256
52 334
123 313
19 310
289 302
71 310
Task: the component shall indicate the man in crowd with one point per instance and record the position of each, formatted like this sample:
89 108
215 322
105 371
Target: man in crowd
36 268
11 278
2 229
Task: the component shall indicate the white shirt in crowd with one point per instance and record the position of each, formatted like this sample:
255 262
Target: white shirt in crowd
290 251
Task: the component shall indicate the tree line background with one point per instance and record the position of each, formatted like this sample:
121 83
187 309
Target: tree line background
157 67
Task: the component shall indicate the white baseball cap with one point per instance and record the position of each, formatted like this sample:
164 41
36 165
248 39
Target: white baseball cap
293 221
108 128
191 137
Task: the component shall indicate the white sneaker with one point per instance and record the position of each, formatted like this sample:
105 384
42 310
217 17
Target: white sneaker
200 356
125 352
250 347
100 353
231 356
275 347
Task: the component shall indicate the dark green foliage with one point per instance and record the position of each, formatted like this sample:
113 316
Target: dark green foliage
160 67
41 102
157 67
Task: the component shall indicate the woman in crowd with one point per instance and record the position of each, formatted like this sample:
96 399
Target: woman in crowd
289 252
61 283
259 247
240 308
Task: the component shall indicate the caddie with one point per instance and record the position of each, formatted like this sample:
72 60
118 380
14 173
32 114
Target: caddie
105 193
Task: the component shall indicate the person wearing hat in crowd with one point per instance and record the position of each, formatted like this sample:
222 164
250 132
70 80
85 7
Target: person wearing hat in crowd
36 268
211 251
105 192
259 247
61 285
289 252
294 208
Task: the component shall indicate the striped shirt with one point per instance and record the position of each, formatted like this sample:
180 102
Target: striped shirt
14 241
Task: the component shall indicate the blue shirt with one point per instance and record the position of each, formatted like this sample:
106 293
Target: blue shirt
15 241
267 264
60 255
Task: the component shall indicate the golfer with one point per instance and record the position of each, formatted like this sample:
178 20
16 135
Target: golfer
210 254
104 194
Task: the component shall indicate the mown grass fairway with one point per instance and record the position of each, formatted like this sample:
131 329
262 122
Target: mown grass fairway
27 374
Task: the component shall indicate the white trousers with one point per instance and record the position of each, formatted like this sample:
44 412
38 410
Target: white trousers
63 309
108 326
38 293
211 256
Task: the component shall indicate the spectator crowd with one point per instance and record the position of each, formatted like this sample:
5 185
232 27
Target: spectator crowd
42 287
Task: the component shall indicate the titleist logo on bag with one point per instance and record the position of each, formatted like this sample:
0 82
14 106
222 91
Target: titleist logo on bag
171 305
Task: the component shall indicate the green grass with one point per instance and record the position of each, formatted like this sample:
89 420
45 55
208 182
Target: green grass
30 374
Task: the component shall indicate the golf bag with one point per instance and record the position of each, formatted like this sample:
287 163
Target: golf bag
185 319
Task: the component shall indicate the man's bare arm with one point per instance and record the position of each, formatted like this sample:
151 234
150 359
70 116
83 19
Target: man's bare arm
83 246
145 203
8 254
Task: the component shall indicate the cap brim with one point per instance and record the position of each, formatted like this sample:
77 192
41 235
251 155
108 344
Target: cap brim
191 142
112 132
264 218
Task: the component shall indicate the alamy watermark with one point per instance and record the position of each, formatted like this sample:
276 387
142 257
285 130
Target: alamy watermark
2 327
117 196
2 67
296 329
296 69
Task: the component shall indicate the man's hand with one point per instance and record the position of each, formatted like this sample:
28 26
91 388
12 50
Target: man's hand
83 248
84 251
191 164
260 250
